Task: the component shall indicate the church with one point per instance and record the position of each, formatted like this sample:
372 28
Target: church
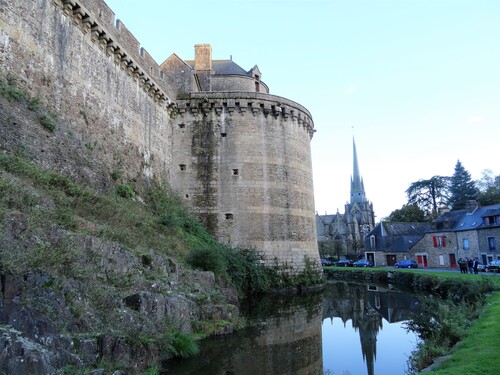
343 234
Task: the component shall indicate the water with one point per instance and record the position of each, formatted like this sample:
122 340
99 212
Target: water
349 329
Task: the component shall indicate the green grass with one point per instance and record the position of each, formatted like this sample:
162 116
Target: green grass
478 353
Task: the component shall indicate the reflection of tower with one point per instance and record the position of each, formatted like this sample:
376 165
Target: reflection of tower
368 331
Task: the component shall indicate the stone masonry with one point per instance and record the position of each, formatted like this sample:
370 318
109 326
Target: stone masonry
237 155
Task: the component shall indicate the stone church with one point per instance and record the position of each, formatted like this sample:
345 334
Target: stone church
343 234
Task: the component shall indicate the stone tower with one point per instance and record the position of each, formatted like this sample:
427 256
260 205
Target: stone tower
244 161
359 212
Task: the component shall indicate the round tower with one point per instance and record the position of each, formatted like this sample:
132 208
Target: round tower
242 159
244 164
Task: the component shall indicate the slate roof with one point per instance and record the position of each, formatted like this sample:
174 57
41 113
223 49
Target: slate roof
396 236
321 222
475 219
224 67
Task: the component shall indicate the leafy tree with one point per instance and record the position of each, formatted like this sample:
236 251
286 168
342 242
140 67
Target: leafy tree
427 194
462 188
409 213
489 188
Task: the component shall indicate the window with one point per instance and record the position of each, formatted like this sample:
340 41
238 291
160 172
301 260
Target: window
235 172
372 241
491 243
439 241
229 216
490 220
223 135
182 126
466 244
182 167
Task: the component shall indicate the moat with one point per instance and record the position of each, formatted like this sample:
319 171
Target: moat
346 329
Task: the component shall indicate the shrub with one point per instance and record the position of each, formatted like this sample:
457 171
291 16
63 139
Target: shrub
48 123
209 259
125 191
184 345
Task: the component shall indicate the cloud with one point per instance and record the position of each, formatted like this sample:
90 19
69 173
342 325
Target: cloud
475 119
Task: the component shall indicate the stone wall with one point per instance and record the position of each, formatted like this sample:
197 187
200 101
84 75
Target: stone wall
245 164
236 83
241 160
95 76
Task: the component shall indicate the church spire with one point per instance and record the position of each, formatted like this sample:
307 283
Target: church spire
357 187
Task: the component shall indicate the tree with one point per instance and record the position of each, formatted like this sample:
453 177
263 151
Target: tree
409 213
427 194
462 188
489 188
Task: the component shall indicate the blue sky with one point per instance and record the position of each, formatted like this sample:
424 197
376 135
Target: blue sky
416 81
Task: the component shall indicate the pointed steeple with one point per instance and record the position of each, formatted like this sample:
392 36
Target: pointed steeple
357 187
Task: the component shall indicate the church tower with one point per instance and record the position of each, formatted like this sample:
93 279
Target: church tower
359 212
357 186
348 230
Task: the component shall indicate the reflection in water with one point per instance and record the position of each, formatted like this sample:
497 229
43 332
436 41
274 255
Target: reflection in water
366 307
311 335
285 340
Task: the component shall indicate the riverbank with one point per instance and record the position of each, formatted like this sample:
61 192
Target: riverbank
478 352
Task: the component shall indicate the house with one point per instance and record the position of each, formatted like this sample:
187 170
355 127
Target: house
390 242
460 234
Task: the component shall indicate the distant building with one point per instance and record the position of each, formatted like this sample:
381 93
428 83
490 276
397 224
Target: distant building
342 234
390 242
473 232
467 233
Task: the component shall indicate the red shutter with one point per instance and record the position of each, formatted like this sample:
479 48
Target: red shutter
434 240
444 241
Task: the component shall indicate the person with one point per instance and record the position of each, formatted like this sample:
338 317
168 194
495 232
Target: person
470 265
475 264
463 265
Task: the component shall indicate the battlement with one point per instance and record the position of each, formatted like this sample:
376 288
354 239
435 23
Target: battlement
243 103
97 20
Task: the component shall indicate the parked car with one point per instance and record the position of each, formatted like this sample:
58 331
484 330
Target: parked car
326 262
343 263
493 266
481 267
362 263
407 263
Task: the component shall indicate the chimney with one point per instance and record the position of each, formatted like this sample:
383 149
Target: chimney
202 57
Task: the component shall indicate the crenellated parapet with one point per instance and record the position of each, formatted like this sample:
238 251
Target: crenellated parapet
248 103
95 20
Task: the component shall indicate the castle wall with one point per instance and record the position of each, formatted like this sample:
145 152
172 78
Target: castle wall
236 83
245 165
241 160
94 75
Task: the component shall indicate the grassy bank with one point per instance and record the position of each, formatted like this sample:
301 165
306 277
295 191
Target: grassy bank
478 352
478 349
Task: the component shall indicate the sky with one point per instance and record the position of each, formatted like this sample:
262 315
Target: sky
415 82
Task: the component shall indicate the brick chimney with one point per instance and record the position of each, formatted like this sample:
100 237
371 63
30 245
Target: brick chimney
203 66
